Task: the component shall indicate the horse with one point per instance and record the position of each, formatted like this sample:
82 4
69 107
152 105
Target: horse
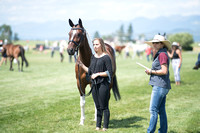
119 49
137 49
79 42
14 51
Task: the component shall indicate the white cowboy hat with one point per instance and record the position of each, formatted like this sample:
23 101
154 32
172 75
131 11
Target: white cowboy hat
174 44
159 38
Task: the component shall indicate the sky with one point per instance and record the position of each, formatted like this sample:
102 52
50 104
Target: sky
40 11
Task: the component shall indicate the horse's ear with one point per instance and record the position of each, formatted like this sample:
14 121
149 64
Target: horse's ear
80 22
164 34
71 23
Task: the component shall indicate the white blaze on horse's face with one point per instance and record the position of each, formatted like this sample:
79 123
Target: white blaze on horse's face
71 46
73 34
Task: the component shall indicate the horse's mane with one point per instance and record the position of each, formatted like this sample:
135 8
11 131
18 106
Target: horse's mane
90 43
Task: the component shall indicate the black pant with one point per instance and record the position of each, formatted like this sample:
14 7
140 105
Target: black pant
101 96
61 57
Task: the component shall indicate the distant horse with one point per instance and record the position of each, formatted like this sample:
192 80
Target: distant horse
14 51
79 42
138 49
119 49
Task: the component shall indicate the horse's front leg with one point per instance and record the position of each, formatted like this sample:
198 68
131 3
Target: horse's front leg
82 105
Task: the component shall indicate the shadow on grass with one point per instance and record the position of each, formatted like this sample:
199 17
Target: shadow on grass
182 82
126 123
172 132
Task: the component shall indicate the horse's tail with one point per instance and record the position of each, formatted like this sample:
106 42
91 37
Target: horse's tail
116 89
23 55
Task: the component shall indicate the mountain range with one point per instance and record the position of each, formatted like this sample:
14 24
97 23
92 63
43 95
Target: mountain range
58 30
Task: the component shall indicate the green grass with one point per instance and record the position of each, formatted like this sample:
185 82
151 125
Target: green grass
44 98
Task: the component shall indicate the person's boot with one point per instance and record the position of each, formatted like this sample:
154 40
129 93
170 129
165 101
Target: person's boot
196 67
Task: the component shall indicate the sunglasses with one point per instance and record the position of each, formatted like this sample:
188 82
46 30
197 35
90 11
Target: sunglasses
156 42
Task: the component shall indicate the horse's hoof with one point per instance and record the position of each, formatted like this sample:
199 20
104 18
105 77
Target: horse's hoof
11 69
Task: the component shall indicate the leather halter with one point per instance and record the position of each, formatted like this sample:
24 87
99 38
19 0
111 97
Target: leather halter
82 37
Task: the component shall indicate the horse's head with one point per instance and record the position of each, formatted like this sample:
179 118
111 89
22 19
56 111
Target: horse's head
76 36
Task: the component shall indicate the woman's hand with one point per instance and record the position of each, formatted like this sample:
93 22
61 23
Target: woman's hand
148 71
79 63
82 65
94 75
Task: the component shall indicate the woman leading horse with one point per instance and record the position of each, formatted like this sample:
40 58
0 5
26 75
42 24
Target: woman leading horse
14 51
78 42
100 70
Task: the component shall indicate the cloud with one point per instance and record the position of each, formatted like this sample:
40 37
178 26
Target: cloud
21 11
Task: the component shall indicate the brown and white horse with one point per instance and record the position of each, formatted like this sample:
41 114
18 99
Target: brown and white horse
79 43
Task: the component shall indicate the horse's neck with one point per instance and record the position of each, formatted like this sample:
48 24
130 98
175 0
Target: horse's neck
9 49
85 52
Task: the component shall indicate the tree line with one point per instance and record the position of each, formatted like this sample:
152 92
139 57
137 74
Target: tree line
6 34
120 34
184 39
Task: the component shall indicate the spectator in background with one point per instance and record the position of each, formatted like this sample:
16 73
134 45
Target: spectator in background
62 45
70 58
176 57
61 53
197 65
52 51
148 52
4 58
179 46
127 51
53 48
41 48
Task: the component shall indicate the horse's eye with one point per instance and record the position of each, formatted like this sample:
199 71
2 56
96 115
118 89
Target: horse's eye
79 35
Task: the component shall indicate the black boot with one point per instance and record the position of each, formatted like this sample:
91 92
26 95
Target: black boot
196 67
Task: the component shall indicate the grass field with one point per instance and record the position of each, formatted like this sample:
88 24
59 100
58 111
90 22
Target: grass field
44 98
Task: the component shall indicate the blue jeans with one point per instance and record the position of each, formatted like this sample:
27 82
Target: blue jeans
198 60
157 106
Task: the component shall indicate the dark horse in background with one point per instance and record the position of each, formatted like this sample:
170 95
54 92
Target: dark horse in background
79 43
14 51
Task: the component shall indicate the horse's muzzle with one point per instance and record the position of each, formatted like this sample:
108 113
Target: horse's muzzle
71 51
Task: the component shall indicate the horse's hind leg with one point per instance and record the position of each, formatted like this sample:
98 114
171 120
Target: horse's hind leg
22 65
11 60
82 105
18 63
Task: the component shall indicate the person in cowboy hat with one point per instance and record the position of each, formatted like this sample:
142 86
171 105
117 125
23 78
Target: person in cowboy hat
159 80
176 57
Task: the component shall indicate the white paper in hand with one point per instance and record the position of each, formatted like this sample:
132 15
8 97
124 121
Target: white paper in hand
142 66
